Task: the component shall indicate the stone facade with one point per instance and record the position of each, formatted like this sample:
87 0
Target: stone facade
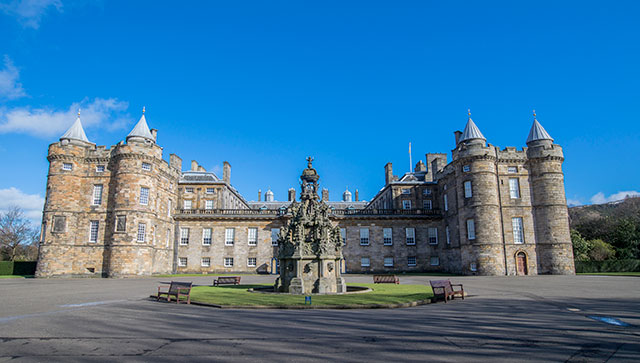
125 211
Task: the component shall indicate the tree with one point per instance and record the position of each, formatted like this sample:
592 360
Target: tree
600 250
580 246
15 233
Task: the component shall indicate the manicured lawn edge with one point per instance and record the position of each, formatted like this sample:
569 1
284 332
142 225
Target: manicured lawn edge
633 274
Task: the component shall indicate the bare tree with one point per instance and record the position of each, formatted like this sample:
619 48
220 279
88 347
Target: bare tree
15 233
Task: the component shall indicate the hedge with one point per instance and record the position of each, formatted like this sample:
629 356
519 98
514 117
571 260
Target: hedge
17 267
608 266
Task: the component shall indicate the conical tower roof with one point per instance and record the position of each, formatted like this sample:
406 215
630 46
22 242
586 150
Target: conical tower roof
141 130
471 131
537 131
76 132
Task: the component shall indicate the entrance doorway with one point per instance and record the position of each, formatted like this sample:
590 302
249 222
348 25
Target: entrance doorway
521 263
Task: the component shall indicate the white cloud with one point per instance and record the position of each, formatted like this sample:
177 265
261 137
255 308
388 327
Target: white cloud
43 122
10 88
600 198
573 202
30 12
31 204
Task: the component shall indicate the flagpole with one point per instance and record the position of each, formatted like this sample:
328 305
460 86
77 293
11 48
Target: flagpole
410 162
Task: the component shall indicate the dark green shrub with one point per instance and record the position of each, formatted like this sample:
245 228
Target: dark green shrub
6 267
608 266
24 267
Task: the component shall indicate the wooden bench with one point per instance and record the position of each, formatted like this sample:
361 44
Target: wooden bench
226 280
445 289
177 289
386 279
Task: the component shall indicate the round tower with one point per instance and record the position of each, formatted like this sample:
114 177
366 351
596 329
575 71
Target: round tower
551 215
65 197
479 218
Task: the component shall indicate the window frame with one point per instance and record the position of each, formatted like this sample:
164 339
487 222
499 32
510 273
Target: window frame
145 194
514 188
141 227
436 259
415 261
387 240
386 263
364 240
427 204
180 263
362 262
471 229
93 236
518 227
208 204
252 240
275 232
226 260
433 238
255 261
229 236
206 241
184 237
468 189
100 168
67 166
97 194
208 262
146 166
410 238
406 204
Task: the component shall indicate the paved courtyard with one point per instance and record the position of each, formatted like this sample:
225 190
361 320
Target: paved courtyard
540 318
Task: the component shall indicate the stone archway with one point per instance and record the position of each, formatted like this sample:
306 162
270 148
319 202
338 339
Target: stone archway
521 264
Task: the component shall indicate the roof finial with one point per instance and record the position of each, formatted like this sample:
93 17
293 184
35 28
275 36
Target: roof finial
143 109
534 114
469 112
78 112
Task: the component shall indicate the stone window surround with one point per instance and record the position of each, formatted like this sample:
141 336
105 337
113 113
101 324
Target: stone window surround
433 235
184 237
252 261
100 168
387 236
364 236
517 224
146 166
514 188
434 261
228 262
468 189
145 195
410 234
205 262
252 238
365 262
207 237
94 227
229 236
141 235
67 166
388 261
411 261
182 261
96 197
57 222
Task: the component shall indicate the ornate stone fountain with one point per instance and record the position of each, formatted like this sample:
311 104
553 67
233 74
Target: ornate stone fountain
310 246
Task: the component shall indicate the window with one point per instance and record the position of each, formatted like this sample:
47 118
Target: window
514 188
229 234
93 231
471 229
446 231
427 204
466 168
59 223
473 266
182 261
209 191
142 229
206 236
146 166
518 233
411 261
365 262
188 190
406 204
434 261
168 237
406 191
169 204
343 234
252 236
275 235
99 168
426 191
364 236
433 236
387 236
411 236
97 194
228 262
67 166
446 203
208 204
206 262
184 236
144 195
187 204
512 169
388 262
121 223
251 262
467 189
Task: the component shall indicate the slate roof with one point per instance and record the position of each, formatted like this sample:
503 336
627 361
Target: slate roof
538 132
141 130
75 132
197 177
471 132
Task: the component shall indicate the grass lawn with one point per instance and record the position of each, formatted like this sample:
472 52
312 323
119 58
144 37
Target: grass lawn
239 296
610 273
207 275
15 276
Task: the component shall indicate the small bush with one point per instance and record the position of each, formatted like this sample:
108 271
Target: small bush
6 267
608 266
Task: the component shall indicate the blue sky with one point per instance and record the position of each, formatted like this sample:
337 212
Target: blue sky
264 84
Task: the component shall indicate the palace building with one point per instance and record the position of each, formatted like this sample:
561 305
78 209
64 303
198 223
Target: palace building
126 211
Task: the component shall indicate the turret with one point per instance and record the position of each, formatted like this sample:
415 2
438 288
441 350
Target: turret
346 196
551 216
141 132
268 196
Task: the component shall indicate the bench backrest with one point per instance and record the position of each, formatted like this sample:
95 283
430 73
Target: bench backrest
384 278
228 279
446 284
175 285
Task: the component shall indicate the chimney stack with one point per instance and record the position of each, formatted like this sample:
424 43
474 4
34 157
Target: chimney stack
226 172
357 196
201 168
388 174
194 165
259 195
292 195
457 134
154 133
325 194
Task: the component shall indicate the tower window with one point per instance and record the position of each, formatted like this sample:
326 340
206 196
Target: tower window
471 229
59 223
97 194
142 230
466 168
121 223
146 166
467 189
144 196
67 166
514 188
93 231
518 233
512 169
99 168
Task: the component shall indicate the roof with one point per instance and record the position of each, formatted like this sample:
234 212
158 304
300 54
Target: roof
198 177
335 205
141 130
471 132
413 177
75 132
538 132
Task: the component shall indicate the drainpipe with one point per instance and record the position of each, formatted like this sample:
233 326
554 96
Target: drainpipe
504 243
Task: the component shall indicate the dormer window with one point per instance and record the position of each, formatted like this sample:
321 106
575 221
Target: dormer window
406 191
209 190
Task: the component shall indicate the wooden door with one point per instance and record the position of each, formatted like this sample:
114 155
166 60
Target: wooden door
521 262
